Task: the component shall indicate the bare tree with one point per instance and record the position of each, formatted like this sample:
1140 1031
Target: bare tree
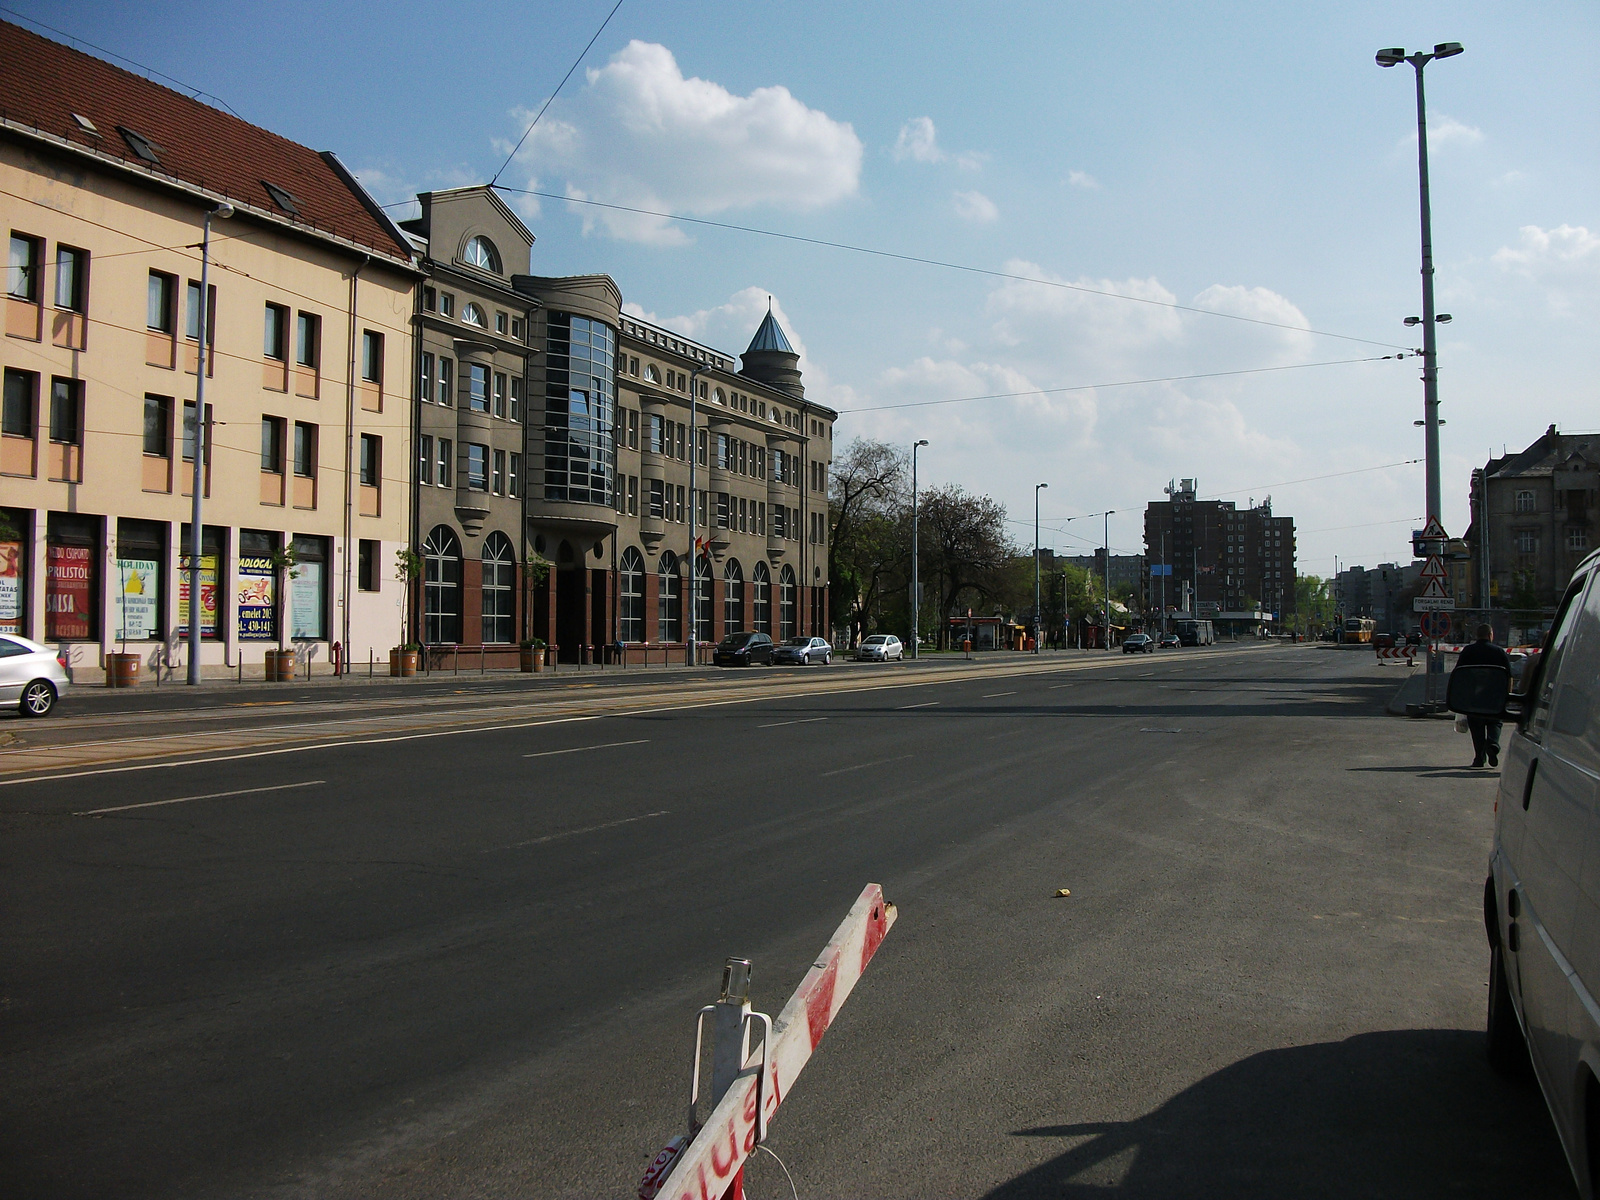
965 547
867 486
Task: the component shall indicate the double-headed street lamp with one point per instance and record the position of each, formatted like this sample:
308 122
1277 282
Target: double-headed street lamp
1430 362
916 590
1107 515
1037 488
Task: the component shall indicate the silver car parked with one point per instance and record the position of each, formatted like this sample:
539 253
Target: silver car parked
30 675
880 647
803 650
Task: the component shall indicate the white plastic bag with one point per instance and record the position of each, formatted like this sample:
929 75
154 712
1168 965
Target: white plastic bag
1461 723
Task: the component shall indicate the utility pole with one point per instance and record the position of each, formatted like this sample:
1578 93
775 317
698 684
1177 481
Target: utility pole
1036 556
916 590
691 653
196 543
1107 539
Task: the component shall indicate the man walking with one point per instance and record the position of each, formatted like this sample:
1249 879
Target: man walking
1485 730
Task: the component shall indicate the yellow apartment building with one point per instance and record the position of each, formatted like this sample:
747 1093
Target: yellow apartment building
106 180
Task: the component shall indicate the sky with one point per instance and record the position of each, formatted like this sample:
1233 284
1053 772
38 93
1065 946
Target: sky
1097 193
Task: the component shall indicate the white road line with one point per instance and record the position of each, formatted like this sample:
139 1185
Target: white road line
282 787
993 695
924 704
556 837
1056 687
797 721
575 749
863 766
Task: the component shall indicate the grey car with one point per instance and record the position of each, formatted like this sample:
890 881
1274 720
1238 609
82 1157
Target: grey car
880 647
803 650
31 677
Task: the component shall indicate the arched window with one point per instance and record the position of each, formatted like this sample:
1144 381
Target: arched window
733 597
786 605
441 586
499 594
761 598
473 315
480 252
720 398
702 599
669 602
651 375
630 614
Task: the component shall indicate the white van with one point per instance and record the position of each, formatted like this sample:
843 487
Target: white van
1541 901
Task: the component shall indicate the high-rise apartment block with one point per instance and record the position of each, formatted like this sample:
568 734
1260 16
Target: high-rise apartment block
1224 558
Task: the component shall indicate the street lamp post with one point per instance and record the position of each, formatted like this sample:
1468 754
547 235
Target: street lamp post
222 211
691 651
1036 556
916 590
1108 514
1430 362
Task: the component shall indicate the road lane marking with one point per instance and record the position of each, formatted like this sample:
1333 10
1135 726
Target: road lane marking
924 704
575 749
1056 687
282 787
864 766
556 837
993 695
797 721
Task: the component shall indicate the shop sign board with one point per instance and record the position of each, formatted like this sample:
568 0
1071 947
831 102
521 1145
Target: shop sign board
138 618
208 596
257 598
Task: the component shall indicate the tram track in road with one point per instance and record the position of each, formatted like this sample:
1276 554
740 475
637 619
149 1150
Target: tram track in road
405 718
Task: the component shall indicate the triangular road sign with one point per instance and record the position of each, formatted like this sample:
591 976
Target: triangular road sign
1434 568
1433 529
1435 589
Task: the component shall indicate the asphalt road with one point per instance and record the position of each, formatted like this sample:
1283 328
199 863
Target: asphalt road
463 958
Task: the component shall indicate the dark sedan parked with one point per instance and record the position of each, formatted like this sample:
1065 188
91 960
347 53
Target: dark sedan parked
743 650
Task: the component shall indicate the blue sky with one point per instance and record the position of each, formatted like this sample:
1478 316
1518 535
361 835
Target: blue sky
1244 158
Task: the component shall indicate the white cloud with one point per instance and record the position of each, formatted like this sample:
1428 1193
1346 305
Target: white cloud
1446 131
1084 180
918 141
644 136
975 207
1562 250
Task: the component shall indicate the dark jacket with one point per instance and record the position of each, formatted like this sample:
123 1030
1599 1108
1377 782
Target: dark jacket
1480 653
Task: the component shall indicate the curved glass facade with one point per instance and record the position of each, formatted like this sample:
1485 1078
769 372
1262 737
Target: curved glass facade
580 393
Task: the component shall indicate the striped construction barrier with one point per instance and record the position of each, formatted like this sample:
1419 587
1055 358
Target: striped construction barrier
1397 652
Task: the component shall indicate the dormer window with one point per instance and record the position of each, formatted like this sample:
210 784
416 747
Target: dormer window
473 315
480 253
140 145
86 125
281 198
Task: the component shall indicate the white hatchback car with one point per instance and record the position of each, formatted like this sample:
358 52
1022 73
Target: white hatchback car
880 647
30 675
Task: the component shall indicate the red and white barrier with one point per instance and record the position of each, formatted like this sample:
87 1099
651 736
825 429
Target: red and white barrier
709 1166
1392 652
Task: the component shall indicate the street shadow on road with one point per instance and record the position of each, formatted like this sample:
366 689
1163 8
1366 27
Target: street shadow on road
1405 1113
1433 772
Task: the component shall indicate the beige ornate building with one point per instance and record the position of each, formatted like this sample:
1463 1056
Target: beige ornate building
105 183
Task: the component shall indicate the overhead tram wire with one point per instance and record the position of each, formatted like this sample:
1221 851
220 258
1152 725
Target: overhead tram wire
950 266
555 93
1089 387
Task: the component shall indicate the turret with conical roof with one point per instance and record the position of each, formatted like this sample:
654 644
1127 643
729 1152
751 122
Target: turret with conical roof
771 360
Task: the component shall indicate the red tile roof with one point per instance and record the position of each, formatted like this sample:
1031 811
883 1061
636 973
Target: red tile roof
43 84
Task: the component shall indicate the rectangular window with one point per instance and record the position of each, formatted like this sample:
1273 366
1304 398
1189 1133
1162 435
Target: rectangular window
498 484
430 299
499 394
424 459
367 565
516 398
700 506
272 445
275 332
426 390
189 431
633 429
372 356
682 442
22 276
191 311
678 507
20 389
744 458
633 495
657 499
477 388
447 462
162 298
724 448
722 510
761 518
477 467
371 460
158 426
761 462
307 332
514 479
66 411
744 515
446 381
658 433
72 279
447 304
305 449
500 320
